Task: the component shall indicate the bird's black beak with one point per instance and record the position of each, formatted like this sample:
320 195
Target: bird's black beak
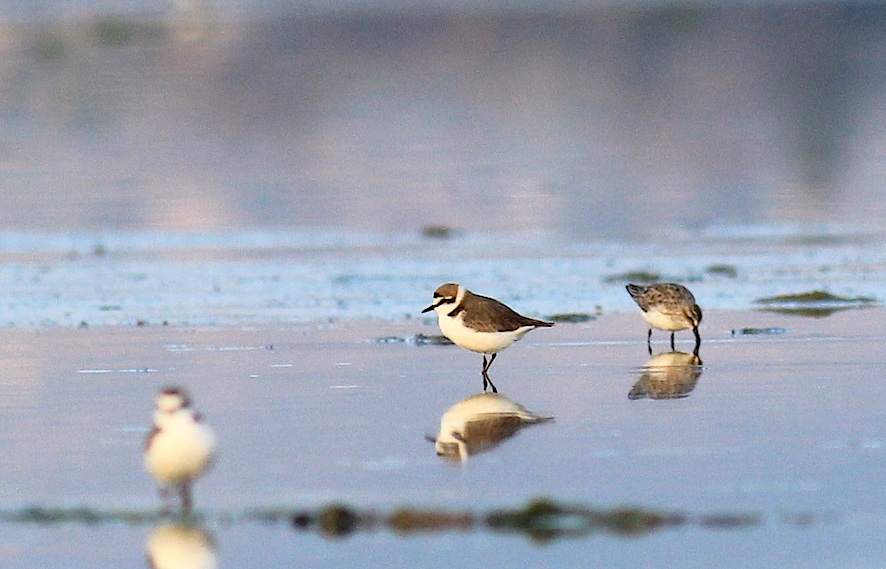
428 309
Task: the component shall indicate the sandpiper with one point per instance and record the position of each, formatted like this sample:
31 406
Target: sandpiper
667 306
180 448
479 323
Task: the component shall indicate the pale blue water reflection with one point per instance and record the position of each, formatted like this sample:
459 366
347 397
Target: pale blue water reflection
261 185
583 122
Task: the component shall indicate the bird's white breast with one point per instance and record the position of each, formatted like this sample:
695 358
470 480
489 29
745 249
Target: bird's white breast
482 342
671 322
181 451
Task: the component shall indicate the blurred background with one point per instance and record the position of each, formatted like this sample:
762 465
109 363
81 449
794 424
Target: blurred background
579 119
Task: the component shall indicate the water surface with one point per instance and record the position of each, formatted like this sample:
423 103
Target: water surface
609 121
255 202
782 427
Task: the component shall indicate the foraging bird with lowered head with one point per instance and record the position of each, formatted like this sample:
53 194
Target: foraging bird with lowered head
667 306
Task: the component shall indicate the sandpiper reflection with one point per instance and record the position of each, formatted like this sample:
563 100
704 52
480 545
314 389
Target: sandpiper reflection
480 423
668 375
180 546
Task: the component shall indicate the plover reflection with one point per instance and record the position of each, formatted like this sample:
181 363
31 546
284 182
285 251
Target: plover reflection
481 422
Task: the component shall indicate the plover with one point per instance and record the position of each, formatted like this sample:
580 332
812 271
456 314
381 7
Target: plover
479 323
667 306
180 448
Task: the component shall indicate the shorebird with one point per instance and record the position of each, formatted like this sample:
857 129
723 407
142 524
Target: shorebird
667 306
479 323
180 448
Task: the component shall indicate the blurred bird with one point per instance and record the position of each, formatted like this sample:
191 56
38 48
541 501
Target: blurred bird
180 448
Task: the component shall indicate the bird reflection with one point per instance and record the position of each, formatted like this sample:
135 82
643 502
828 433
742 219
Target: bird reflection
480 423
180 546
668 375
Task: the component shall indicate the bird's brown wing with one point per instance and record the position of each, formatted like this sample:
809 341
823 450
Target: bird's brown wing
667 298
497 317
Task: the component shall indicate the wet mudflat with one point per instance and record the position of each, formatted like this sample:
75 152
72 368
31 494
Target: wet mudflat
190 194
770 449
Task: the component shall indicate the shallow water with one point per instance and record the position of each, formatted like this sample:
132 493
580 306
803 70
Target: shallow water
783 428
283 277
613 121
257 202
245 165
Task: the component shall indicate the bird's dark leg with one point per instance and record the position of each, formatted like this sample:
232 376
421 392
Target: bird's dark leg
697 340
486 366
187 499
672 342
164 492
649 341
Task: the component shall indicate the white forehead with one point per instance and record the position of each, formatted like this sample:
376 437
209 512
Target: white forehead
170 401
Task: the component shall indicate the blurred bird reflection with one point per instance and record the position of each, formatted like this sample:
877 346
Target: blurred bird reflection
180 546
668 375
480 423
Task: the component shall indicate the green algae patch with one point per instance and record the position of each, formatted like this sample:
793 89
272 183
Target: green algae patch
83 515
543 520
540 520
441 232
816 297
642 277
638 521
758 331
572 317
722 270
412 520
647 278
115 32
417 340
814 304
339 520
